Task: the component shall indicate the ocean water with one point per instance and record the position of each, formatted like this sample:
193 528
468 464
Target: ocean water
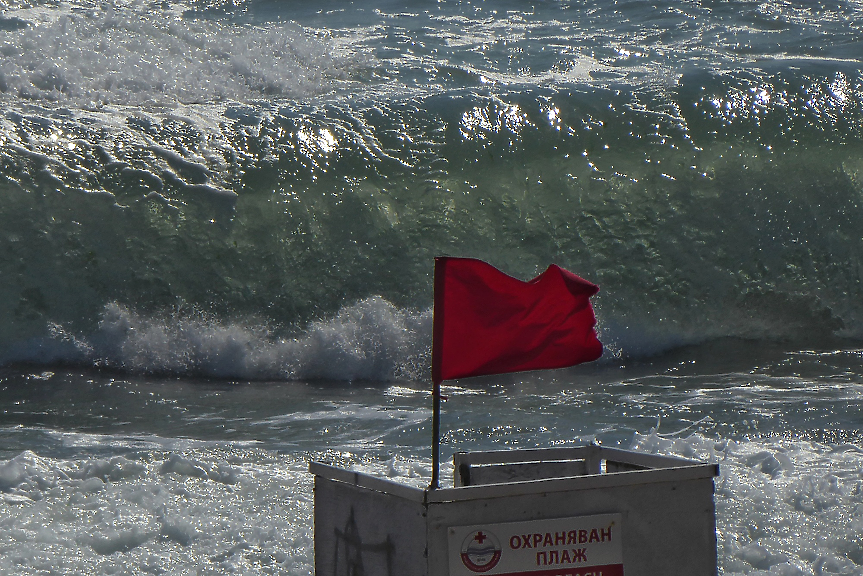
217 226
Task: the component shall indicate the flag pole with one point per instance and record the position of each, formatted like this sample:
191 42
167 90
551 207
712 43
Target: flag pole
435 483
437 352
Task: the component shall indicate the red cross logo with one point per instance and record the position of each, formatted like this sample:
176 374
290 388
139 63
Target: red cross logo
480 551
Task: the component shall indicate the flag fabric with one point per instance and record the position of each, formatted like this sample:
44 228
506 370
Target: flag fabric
486 322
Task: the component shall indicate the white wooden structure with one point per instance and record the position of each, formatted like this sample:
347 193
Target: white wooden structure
586 511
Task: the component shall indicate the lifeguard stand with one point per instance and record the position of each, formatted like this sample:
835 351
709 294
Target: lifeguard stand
585 511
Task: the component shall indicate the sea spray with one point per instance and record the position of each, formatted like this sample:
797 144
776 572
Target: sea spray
370 340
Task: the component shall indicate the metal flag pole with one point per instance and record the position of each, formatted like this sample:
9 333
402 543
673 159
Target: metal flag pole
435 483
437 351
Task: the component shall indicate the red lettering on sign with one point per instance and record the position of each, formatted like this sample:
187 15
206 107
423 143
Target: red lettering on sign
606 533
537 540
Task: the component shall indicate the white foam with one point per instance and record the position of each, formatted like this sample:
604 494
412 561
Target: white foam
158 519
130 54
369 340
784 507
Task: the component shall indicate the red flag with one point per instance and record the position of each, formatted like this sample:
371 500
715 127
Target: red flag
486 322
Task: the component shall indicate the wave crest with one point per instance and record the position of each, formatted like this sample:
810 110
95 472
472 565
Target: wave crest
369 340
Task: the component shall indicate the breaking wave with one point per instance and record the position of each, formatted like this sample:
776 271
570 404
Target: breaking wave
370 340
220 160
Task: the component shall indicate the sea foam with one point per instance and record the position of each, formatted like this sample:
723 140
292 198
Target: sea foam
784 507
157 513
134 55
369 340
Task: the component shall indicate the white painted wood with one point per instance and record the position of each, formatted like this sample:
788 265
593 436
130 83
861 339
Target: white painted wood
361 531
589 452
517 472
668 527
366 481
376 527
591 481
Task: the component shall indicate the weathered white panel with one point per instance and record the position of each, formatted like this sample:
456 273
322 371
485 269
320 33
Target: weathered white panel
592 455
518 472
668 527
662 508
574 483
365 532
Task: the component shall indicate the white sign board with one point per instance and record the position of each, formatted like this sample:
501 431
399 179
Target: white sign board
579 546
